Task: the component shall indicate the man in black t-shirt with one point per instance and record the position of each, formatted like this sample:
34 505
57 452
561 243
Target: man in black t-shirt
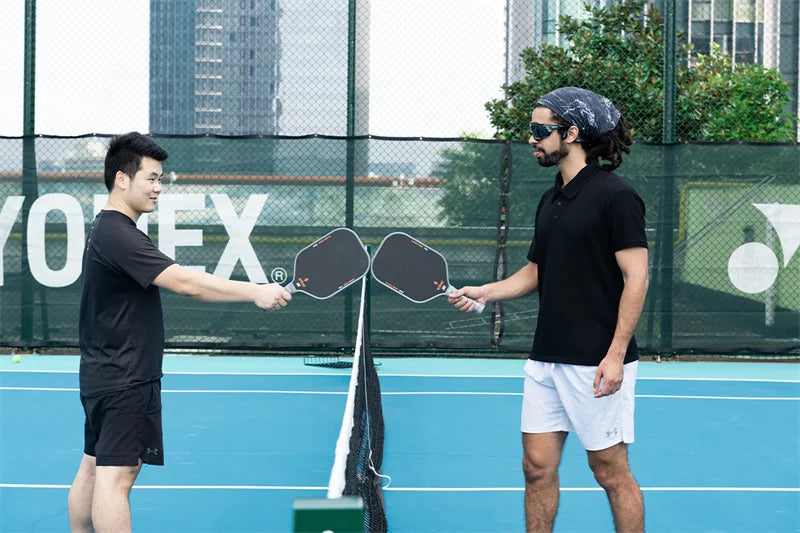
588 260
122 336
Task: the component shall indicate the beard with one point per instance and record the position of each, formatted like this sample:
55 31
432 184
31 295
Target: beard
552 158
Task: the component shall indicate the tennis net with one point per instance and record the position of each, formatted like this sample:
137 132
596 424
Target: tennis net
359 450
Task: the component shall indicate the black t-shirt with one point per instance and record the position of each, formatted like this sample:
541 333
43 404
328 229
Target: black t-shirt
578 229
121 324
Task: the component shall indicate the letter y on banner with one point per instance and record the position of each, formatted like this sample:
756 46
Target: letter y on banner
8 215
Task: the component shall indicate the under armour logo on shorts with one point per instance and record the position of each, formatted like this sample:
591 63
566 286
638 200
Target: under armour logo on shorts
152 451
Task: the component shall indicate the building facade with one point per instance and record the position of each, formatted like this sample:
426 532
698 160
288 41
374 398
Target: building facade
267 67
312 93
213 66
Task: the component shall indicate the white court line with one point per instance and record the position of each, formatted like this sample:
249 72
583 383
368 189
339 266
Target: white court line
673 396
190 391
638 378
172 487
595 489
392 375
413 393
44 389
412 489
773 398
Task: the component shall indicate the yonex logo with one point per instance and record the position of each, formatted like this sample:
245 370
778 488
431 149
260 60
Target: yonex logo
753 267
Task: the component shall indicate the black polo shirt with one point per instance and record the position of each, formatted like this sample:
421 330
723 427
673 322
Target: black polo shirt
578 229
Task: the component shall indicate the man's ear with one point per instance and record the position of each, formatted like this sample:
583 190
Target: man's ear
121 180
572 134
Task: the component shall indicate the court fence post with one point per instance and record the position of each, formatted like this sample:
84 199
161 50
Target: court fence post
668 179
30 186
350 152
497 322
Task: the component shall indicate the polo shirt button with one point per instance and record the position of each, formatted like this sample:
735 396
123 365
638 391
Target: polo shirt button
559 202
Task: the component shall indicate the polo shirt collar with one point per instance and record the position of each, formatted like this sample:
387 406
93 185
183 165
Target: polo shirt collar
582 178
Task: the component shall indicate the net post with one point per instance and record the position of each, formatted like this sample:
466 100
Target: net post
367 297
315 515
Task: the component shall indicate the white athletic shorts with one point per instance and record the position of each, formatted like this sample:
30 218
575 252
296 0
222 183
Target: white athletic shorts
560 397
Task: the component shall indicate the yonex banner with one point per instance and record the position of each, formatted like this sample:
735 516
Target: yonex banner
722 221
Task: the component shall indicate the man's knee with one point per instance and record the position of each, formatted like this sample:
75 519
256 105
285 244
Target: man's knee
611 470
607 477
541 456
539 467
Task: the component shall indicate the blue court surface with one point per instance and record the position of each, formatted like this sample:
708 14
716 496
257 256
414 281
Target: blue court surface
716 446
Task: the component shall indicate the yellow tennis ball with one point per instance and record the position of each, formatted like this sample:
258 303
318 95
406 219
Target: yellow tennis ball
16 359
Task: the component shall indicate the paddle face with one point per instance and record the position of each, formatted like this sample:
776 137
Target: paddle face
410 268
329 264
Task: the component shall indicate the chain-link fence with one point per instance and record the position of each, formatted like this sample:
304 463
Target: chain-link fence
413 68
266 109
723 233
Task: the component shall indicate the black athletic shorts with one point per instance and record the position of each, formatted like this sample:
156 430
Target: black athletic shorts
125 426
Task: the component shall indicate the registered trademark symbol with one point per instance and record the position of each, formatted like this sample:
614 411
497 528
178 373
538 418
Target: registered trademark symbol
278 275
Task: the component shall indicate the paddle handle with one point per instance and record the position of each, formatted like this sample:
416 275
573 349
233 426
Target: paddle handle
478 307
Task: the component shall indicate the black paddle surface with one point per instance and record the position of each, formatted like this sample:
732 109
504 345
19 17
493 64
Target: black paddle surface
329 264
411 268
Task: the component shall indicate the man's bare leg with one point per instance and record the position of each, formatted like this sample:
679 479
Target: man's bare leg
612 472
541 457
79 501
111 508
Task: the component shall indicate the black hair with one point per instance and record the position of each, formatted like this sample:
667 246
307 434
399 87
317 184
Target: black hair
125 154
609 146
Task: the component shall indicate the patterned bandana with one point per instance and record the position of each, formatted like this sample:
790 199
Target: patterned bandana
591 113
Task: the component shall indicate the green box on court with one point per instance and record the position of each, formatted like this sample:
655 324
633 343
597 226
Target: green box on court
335 515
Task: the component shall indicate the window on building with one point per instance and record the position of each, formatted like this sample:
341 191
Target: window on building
723 33
745 42
701 9
723 9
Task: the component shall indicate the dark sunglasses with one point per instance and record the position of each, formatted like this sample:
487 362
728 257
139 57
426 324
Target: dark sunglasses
540 131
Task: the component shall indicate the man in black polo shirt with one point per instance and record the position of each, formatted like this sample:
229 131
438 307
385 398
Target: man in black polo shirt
588 259
122 336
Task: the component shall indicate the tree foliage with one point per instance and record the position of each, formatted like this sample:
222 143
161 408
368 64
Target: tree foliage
471 190
470 174
618 52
